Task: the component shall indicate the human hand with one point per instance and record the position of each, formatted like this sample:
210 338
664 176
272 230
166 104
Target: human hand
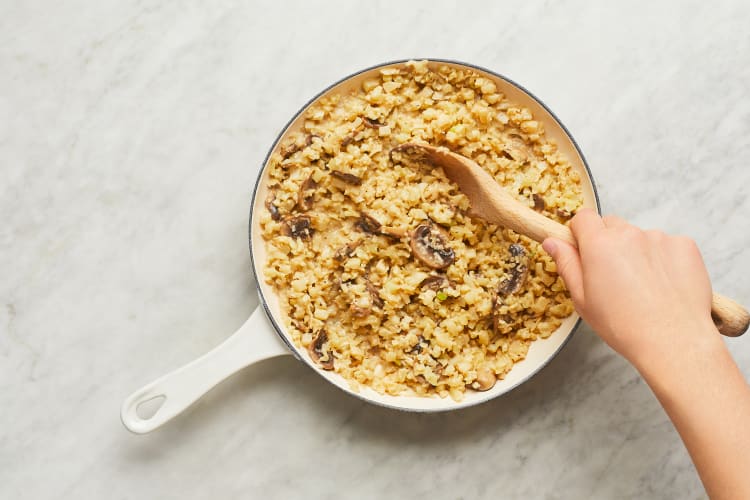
643 292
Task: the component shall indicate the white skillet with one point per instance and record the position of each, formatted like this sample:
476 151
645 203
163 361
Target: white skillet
264 335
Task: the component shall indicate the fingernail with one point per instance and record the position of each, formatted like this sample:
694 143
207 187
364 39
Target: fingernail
549 246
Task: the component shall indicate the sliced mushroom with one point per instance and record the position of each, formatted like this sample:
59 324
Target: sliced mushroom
435 282
368 224
347 178
290 149
377 301
306 194
518 272
409 152
429 243
272 209
539 203
299 226
417 348
437 368
346 251
316 351
510 285
352 136
360 309
485 380
370 123
362 305
507 155
516 148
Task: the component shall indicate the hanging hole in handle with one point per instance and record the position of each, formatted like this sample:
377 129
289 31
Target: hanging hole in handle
147 409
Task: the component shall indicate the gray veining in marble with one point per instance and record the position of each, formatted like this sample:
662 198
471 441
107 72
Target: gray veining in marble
130 135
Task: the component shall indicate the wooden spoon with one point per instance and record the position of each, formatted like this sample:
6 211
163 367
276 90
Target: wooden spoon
490 202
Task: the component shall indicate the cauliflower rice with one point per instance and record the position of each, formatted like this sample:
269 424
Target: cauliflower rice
382 273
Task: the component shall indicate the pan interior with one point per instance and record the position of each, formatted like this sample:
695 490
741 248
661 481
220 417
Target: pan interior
540 351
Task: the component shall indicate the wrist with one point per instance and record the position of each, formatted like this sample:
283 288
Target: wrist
675 356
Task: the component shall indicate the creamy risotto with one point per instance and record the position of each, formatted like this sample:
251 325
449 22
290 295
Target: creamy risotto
382 273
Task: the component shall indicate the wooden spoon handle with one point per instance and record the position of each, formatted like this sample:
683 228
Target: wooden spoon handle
730 318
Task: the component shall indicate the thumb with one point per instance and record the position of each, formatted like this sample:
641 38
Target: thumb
568 264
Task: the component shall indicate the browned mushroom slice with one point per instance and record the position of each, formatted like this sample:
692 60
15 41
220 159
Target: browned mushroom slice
510 285
437 368
352 137
368 224
435 282
370 123
346 251
360 310
299 226
429 243
518 272
306 194
539 203
419 346
347 178
290 149
377 301
272 209
408 152
316 351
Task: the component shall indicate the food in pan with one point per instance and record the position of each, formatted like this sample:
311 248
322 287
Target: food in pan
382 273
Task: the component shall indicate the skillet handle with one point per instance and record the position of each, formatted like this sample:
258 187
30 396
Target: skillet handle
254 341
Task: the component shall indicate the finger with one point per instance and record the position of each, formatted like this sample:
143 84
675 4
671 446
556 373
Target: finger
585 223
569 268
613 221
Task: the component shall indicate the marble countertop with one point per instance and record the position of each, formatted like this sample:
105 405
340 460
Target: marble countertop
130 137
